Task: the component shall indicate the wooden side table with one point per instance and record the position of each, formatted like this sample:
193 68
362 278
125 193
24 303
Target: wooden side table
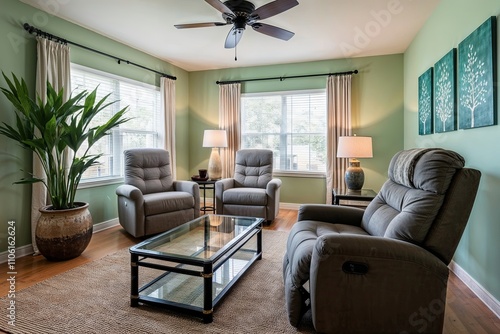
207 185
364 195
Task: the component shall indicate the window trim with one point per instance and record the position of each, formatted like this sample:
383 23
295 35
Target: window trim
113 76
302 174
104 181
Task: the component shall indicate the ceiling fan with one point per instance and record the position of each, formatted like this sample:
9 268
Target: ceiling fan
241 13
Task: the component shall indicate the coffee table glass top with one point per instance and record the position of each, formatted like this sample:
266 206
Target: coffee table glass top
201 239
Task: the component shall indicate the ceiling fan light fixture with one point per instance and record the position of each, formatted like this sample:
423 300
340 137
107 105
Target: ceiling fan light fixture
240 23
241 13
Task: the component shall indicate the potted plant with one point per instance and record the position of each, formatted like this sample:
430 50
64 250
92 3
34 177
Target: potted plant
56 132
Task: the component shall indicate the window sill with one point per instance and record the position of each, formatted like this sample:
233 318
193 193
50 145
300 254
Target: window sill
315 175
92 183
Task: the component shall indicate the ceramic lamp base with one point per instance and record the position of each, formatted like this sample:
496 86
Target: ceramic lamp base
214 165
354 176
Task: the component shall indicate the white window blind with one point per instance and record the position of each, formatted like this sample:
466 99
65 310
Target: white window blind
292 124
143 130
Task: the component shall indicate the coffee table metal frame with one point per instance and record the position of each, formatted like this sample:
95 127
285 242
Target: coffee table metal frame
140 256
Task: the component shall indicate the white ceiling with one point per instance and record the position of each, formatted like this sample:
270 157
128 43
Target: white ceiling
324 29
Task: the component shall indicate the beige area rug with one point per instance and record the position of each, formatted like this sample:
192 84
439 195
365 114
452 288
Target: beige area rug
94 298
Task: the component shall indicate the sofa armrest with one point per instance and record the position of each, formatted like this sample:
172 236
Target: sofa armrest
131 209
187 186
377 248
220 187
273 187
334 214
374 277
273 194
131 192
192 188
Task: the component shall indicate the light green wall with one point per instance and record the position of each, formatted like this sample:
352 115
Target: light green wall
453 20
18 55
377 104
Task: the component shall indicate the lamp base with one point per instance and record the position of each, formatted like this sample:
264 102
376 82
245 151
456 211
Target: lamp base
214 165
354 175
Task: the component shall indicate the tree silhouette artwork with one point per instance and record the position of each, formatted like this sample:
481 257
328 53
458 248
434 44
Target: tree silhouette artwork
475 85
425 103
476 55
444 90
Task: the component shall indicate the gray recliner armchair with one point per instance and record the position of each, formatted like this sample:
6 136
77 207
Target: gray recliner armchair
383 269
252 192
150 201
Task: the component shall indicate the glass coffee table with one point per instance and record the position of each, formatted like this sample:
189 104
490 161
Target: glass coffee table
191 267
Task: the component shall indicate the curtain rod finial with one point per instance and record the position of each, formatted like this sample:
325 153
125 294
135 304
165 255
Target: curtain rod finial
28 28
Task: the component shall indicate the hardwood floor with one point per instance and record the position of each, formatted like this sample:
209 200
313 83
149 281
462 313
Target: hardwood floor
465 313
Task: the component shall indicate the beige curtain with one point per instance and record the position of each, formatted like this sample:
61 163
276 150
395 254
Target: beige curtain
229 120
53 65
167 89
338 90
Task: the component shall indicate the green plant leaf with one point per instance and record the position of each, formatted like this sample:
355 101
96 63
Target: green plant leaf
55 130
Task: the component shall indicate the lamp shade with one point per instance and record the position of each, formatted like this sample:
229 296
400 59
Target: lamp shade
214 138
355 147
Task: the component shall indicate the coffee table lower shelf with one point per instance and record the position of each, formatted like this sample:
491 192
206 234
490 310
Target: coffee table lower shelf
188 286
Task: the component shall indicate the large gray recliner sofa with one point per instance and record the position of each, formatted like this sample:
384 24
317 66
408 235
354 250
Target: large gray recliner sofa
382 270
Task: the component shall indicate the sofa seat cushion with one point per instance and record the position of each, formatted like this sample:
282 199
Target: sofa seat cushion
301 241
157 203
245 196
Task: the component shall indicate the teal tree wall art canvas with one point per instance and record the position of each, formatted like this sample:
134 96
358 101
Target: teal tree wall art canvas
425 102
445 106
476 74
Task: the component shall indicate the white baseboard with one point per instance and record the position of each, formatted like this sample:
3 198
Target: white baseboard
20 252
476 288
289 206
105 225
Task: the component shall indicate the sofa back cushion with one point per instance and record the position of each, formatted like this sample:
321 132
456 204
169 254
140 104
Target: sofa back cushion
148 169
410 200
449 225
253 168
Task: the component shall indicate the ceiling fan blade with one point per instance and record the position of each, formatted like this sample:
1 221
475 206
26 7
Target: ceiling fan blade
220 7
273 8
199 25
273 31
233 38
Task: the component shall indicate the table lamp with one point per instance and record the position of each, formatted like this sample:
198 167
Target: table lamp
214 139
354 147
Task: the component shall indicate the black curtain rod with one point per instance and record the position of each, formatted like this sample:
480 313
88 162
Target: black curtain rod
38 32
283 78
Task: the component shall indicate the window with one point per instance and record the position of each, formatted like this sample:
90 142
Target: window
292 124
143 130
